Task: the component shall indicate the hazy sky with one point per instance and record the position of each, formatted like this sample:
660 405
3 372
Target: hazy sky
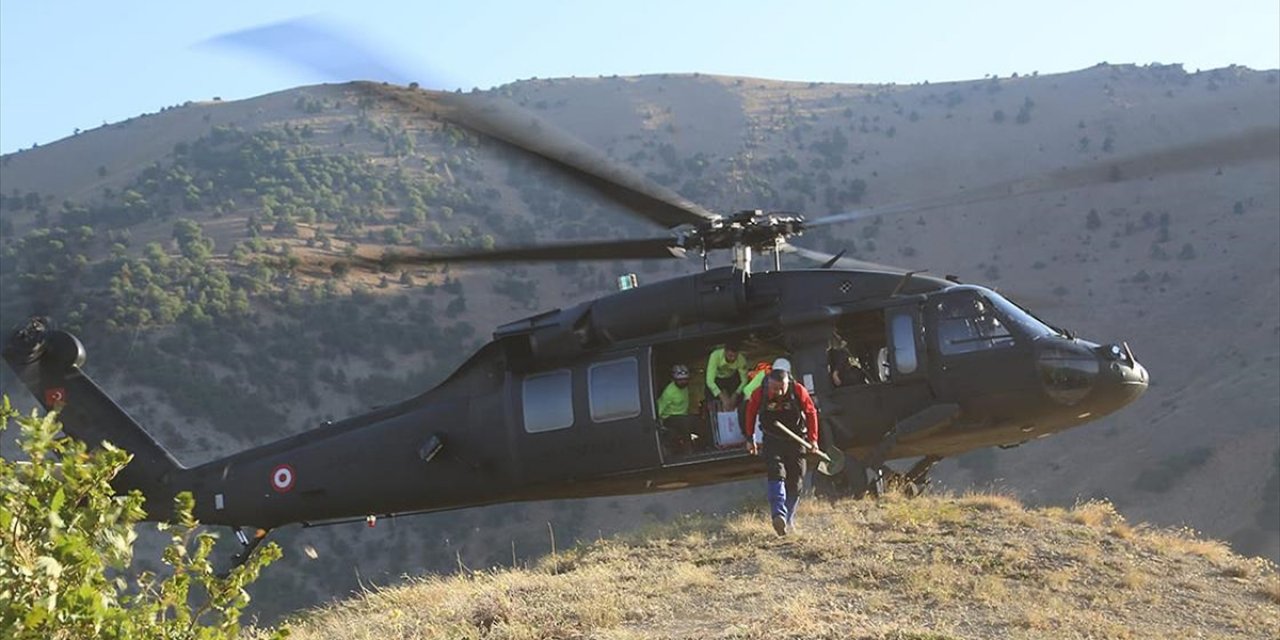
66 64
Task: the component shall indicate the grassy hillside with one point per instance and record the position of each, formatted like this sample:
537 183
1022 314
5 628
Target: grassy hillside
977 566
198 250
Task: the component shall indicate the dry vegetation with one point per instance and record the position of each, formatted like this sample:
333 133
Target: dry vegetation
972 566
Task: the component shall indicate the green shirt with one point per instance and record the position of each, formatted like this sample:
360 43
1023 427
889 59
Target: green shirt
754 383
674 401
718 367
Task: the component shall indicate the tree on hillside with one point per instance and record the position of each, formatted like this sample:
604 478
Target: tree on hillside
191 240
67 540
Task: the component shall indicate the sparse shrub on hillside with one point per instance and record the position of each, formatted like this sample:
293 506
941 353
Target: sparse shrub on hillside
521 290
456 307
1187 252
1238 208
1093 221
998 116
1164 475
1269 512
1024 112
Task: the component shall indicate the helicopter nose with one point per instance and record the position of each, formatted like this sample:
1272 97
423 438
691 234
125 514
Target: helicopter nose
1102 378
1121 379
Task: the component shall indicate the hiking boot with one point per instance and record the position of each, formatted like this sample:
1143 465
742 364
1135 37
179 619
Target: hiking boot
780 525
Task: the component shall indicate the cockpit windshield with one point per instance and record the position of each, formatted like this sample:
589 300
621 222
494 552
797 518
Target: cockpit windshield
1019 316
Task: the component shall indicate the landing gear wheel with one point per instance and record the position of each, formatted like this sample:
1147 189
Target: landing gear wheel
849 482
911 484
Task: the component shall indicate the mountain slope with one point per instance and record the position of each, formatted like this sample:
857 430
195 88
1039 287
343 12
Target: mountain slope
978 566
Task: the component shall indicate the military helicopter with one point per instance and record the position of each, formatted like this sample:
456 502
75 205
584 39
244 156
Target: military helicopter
561 404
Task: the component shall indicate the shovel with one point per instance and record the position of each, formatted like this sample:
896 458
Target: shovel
805 443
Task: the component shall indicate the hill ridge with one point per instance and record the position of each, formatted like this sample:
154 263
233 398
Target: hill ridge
970 566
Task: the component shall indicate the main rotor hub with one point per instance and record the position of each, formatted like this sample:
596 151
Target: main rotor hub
751 228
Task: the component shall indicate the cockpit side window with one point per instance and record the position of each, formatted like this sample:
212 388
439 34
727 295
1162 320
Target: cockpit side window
967 322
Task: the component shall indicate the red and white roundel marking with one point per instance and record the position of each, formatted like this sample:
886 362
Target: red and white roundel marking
54 396
282 478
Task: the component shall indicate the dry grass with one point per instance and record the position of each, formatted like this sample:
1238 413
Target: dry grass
972 566
997 502
1094 513
1271 589
1185 541
1134 579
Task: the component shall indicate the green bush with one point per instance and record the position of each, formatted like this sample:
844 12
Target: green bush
66 541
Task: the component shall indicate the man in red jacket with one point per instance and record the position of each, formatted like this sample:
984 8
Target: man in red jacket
781 401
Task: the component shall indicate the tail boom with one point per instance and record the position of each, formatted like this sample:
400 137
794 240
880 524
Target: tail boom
48 362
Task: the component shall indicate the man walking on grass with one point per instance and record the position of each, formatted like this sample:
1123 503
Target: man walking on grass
780 401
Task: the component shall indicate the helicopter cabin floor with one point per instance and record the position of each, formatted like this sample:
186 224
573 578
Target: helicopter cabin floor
696 457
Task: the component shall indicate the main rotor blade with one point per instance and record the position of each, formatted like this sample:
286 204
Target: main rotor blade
839 261
311 45
644 248
1255 144
507 123
324 49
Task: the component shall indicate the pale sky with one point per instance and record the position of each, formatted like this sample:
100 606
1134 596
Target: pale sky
75 63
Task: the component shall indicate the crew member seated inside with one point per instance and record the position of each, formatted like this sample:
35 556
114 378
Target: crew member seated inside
681 431
727 375
842 366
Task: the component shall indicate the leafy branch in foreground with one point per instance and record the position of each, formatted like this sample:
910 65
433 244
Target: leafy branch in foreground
66 541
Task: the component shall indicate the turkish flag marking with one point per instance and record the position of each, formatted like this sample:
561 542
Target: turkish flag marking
54 396
282 478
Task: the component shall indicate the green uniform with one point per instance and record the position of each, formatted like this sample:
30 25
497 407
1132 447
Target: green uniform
718 367
674 401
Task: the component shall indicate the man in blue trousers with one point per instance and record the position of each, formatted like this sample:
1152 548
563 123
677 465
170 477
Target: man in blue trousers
780 401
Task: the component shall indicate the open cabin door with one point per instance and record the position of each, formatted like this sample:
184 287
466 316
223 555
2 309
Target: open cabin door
889 344
587 420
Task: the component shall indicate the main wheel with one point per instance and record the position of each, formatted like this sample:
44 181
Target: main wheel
849 482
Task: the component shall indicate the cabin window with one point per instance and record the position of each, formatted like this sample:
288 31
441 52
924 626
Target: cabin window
614 390
967 323
548 401
904 343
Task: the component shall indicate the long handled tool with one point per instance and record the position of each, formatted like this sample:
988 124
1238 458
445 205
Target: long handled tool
811 449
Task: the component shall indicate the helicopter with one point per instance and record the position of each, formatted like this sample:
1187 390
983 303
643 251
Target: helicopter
562 404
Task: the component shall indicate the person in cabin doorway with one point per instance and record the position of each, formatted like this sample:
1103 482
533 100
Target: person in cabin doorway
680 429
727 375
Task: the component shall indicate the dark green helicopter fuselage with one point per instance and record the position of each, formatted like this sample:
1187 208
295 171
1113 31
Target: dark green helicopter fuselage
563 404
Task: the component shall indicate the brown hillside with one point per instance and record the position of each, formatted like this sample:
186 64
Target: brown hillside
979 566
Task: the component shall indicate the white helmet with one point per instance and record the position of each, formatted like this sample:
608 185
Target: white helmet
782 364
